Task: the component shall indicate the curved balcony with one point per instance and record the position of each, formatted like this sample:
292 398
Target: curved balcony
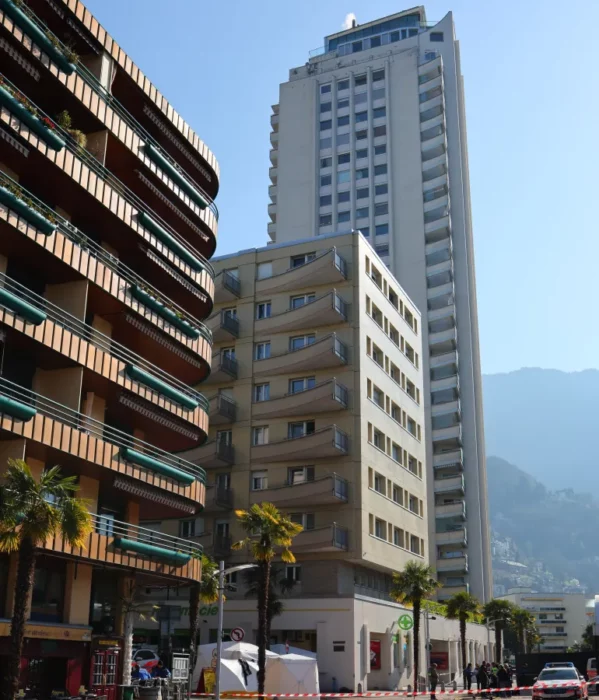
117 543
329 490
218 499
212 455
222 410
132 212
327 442
452 459
443 342
227 287
323 398
456 535
327 310
98 353
451 564
224 368
324 353
64 431
332 538
450 484
223 327
114 278
327 268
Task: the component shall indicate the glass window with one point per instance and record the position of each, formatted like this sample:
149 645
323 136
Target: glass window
382 250
264 270
325 88
229 353
361 173
260 435
299 260
381 189
343 176
362 213
361 117
259 480
343 121
382 208
365 231
343 217
380 529
326 124
325 220
361 135
301 341
293 573
360 80
326 200
224 437
379 131
325 180
342 104
378 94
356 46
342 139
379 150
361 98
261 392
306 520
325 107
187 528
378 75
301 428
375 41
301 300
378 112
362 193
326 143
343 196
48 591
343 158
326 162
380 169
263 310
381 230
436 36
299 475
343 85
361 153
303 384
414 32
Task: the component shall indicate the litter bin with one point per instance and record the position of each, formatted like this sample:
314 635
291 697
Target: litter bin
128 692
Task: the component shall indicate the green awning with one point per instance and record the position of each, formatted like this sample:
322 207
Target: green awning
21 307
155 465
161 387
155 155
16 409
171 556
170 242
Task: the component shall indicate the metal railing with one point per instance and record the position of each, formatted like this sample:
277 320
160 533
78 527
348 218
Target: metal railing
91 426
340 306
225 406
103 342
115 105
222 544
340 536
228 364
229 323
223 497
340 488
231 283
101 254
340 393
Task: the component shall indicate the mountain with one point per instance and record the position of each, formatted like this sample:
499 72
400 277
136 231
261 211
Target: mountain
544 420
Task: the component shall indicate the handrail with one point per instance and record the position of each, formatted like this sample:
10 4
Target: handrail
337 431
104 174
112 262
95 337
108 527
91 426
338 261
98 88
337 303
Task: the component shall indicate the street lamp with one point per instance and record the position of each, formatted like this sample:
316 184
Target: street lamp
222 572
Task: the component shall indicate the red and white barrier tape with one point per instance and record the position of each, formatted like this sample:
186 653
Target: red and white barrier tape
389 694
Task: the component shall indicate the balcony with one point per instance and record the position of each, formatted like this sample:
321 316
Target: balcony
451 510
212 455
446 460
222 410
327 268
121 544
227 287
326 442
450 484
447 408
218 545
437 230
446 564
440 297
436 147
224 368
448 385
332 538
445 363
435 315
218 499
451 436
329 352
450 588
272 212
223 327
273 175
323 398
431 112
435 196
327 310
455 536
440 274
443 342
330 490
272 230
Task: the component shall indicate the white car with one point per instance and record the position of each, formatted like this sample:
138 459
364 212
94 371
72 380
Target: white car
146 658
560 682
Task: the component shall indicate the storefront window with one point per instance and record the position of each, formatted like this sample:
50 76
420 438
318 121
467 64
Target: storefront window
104 602
47 601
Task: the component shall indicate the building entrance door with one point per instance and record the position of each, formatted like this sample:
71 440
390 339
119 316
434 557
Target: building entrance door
104 673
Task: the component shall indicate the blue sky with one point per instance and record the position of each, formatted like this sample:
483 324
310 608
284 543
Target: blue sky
532 103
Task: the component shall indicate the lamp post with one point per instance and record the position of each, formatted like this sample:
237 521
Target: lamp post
222 572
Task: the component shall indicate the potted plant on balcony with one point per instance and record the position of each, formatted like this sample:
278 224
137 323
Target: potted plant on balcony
64 120
16 199
27 520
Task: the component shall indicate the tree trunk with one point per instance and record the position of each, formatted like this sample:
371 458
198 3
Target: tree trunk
128 647
498 649
194 625
23 587
416 643
262 625
463 640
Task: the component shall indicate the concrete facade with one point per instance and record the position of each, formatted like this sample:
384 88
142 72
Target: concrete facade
370 134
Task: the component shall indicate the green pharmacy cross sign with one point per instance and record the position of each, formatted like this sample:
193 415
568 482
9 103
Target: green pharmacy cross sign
405 622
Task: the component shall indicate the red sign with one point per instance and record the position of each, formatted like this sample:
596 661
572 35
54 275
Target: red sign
237 634
375 654
441 658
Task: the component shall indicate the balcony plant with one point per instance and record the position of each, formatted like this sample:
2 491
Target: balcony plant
64 120
15 198
168 312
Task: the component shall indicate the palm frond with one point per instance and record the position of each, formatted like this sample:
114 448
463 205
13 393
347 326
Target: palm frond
75 521
9 541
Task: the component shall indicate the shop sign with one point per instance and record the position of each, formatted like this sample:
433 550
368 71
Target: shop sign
71 634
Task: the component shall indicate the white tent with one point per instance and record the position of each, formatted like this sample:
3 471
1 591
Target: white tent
232 651
291 673
232 678
282 651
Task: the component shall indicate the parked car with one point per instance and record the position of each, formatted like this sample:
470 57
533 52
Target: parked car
146 658
559 682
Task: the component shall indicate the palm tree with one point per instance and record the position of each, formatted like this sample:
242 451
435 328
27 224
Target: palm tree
501 612
521 621
204 591
278 580
269 533
460 607
31 511
413 585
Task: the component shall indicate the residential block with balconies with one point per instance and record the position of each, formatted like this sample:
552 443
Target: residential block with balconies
107 222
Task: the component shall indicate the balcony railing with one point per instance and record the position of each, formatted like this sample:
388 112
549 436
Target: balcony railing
116 106
223 406
101 254
232 283
120 188
133 447
97 339
218 497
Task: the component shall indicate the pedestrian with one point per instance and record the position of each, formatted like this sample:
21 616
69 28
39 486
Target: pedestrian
433 679
475 676
468 677
160 671
503 679
139 674
483 678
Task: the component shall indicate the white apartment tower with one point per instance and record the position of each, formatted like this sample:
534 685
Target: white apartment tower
370 134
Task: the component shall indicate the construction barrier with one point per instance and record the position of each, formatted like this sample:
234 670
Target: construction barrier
377 694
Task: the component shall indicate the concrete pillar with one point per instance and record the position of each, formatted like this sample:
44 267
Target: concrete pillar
387 655
89 489
60 385
94 406
70 296
77 593
365 657
11 449
132 513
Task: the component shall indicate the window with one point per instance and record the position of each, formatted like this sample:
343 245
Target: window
396 452
381 230
223 481
378 75
301 428
361 135
343 121
325 220
306 520
343 197
326 143
342 104
299 260
397 494
301 341
365 230
261 392
377 355
260 435
379 131
375 41
378 439
230 313
379 112
380 169
299 475
326 162
301 300
380 529
381 189
382 250
325 88
436 36
411 425
362 213
414 544
361 153
395 412
381 208
378 397
326 200
398 537
343 217
343 158
187 528
325 180
414 505
264 270
343 176
47 597
263 310
377 316
342 139
302 384
360 80
325 107
361 117
379 150
380 483
361 98
362 193
293 573
378 94
361 173
224 437
259 480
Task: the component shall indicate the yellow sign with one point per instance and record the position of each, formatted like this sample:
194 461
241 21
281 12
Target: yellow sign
71 634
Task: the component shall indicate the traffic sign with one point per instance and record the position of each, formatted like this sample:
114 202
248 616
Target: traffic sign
405 622
237 634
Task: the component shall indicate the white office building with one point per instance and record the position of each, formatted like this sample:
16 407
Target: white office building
370 134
